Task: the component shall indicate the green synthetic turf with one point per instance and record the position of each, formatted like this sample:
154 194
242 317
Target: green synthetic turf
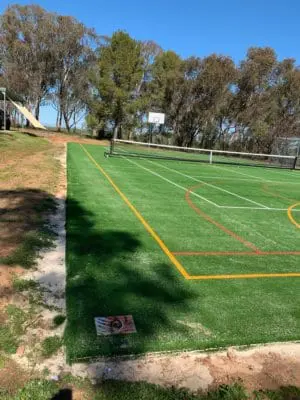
114 267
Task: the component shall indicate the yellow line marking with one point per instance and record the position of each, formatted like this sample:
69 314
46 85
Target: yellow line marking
148 228
290 215
244 276
169 254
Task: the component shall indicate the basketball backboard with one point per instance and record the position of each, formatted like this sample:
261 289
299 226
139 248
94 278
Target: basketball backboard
156 118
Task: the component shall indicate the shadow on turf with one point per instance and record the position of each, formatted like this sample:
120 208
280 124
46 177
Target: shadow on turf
111 274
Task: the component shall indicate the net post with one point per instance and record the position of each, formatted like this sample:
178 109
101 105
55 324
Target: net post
295 162
150 132
111 150
210 157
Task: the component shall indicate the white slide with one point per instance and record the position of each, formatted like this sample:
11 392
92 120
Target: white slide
27 114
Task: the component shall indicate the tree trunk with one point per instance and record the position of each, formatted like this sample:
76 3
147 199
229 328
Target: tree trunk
116 130
57 118
59 121
66 121
37 108
61 108
74 123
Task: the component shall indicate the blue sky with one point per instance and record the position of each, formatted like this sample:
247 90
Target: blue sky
195 27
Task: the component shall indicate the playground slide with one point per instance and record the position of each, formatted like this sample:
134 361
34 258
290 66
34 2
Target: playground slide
27 114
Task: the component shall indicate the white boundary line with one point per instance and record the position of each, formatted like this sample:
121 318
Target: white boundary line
169 181
283 173
242 179
223 168
242 173
257 208
229 178
234 171
201 197
210 185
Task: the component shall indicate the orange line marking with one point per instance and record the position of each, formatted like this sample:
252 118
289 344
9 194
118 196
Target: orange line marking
235 253
217 224
266 189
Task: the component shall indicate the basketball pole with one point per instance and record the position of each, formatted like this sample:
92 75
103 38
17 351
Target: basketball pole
150 132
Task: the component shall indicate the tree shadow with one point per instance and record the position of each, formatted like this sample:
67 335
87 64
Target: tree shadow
27 133
110 272
107 276
23 225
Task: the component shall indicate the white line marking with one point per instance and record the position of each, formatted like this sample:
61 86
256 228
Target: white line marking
231 178
257 208
205 199
234 171
210 185
172 183
241 173
283 173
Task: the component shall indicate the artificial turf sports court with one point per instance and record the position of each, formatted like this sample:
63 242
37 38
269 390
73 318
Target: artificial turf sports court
202 256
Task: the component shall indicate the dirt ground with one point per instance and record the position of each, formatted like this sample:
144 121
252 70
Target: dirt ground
264 367
261 367
55 137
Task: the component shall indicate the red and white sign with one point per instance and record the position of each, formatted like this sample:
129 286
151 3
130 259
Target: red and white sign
118 325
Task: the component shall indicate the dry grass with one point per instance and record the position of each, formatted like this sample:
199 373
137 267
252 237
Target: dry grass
12 377
29 176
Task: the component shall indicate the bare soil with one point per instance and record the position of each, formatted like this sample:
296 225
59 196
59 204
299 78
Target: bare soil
12 377
7 274
56 137
264 367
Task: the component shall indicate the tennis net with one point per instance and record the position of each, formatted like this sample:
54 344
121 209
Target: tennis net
128 148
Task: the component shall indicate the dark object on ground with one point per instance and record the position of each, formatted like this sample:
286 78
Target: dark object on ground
64 394
8 122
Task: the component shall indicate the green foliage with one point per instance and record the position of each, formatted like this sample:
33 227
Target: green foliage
284 393
42 389
59 320
37 390
228 392
55 56
2 360
146 391
8 341
166 71
22 285
17 317
13 329
119 74
51 345
209 102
